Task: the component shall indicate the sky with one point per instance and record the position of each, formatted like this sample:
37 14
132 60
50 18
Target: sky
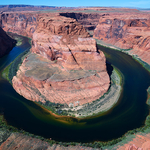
77 3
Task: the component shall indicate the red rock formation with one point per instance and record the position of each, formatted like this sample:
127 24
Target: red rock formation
88 20
65 40
126 31
140 142
6 43
20 23
73 71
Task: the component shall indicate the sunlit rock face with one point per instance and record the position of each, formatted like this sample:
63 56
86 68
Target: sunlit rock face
64 67
126 31
22 23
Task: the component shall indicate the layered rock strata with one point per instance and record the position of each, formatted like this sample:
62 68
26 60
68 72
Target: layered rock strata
64 67
88 20
126 31
6 43
22 23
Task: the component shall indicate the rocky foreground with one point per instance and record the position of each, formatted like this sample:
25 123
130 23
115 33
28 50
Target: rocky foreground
22 142
64 67
126 31
140 142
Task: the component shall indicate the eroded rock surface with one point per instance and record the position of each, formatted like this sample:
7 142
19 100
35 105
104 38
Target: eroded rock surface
22 23
126 31
88 20
140 142
65 66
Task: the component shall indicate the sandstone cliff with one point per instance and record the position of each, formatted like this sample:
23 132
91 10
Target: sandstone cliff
88 20
126 31
6 43
22 23
64 67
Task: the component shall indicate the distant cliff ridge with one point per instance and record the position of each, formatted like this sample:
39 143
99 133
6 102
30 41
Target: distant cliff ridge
25 7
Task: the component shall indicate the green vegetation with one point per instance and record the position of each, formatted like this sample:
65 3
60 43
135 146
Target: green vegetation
5 130
12 68
55 108
19 40
144 64
5 73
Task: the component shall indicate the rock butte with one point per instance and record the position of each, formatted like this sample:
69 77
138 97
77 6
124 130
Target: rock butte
64 67
126 31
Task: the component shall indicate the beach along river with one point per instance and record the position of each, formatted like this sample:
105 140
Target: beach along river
129 113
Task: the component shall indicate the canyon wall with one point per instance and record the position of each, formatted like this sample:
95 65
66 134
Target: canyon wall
25 23
126 31
88 20
22 23
64 67
6 43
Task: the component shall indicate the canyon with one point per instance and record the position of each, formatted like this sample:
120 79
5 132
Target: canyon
62 50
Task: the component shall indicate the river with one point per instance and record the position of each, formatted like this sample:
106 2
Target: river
129 113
